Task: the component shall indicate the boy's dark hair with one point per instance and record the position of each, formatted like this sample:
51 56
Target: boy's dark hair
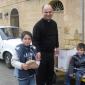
26 33
81 45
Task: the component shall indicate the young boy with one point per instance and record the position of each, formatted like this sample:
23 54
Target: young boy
24 53
77 65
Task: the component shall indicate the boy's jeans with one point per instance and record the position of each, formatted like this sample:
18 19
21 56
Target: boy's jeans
29 81
78 76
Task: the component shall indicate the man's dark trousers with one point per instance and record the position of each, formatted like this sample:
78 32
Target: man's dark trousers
46 69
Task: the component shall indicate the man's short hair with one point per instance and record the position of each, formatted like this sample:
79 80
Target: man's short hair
45 5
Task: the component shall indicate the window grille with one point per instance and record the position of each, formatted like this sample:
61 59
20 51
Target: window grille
57 5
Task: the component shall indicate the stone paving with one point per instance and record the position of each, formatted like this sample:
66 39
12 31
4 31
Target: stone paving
7 78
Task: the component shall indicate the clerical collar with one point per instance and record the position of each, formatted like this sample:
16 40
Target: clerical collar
46 20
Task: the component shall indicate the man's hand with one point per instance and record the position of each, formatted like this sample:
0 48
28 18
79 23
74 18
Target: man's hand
38 56
56 51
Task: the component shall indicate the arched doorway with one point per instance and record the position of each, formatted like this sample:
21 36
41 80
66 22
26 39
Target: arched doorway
14 18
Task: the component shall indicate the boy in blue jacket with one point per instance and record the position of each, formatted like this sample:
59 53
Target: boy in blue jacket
25 52
77 65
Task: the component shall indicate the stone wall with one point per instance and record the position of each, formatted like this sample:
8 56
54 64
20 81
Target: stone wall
68 21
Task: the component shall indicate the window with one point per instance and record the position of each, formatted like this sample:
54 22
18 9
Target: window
57 5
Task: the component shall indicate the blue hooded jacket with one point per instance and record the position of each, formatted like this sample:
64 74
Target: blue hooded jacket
24 53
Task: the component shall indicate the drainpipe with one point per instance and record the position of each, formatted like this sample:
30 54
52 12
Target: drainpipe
82 19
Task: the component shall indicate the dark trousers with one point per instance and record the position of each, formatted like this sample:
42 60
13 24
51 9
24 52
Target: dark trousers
46 69
78 76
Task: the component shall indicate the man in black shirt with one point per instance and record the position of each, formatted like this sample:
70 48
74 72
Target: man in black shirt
45 38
